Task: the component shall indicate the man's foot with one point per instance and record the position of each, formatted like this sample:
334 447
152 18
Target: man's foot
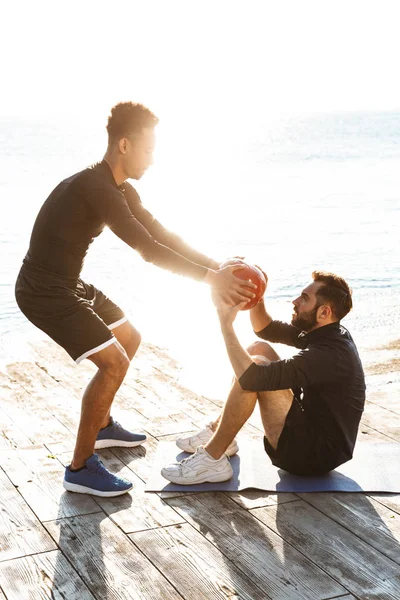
191 443
198 468
115 435
95 479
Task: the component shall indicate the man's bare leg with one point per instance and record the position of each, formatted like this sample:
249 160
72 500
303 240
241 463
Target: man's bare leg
130 339
237 410
240 404
112 363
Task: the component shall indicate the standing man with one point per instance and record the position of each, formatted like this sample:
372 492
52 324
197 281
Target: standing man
79 317
310 405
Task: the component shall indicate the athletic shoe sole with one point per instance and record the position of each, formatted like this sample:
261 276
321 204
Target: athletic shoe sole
116 444
232 449
193 481
81 489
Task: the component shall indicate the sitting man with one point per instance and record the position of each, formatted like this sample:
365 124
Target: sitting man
310 404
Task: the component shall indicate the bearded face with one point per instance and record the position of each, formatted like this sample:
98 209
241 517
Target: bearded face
305 320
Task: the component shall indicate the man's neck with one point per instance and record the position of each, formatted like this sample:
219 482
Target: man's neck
116 169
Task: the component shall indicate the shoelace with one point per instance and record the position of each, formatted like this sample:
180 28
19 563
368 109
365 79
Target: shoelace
101 470
183 462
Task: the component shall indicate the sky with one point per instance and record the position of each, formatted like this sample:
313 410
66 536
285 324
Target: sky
202 61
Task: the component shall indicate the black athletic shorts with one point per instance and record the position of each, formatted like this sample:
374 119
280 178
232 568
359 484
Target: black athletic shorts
300 449
77 316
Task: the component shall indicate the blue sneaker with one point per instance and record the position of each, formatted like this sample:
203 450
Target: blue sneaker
115 435
95 479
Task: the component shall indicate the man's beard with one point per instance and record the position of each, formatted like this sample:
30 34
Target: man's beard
307 320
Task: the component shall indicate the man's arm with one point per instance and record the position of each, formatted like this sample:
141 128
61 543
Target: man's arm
274 331
163 235
124 224
282 333
315 365
312 366
259 317
239 357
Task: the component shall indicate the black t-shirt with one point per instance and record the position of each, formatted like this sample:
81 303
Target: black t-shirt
77 211
326 377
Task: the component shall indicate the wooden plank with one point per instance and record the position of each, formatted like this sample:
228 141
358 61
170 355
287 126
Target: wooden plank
276 567
31 417
38 476
167 424
369 520
135 511
46 393
108 562
255 498
343 555
367 434
59 366
346 597
196 569
382 420
20 531
391 501
387 396
47 575
11 435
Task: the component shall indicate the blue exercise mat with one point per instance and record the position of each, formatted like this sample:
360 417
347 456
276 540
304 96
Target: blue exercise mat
375 467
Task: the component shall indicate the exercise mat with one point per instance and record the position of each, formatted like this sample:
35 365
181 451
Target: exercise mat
375 467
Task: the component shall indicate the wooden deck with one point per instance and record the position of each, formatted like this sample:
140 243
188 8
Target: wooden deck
251 545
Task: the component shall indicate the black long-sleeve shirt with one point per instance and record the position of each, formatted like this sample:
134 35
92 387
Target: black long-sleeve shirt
326 377
78 210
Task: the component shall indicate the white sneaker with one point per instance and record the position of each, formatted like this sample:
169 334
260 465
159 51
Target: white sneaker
191 443
198 468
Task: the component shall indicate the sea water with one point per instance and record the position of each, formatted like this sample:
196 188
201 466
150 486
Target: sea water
292 194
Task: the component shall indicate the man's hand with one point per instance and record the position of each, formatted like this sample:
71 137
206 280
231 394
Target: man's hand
235 260
232 289
226 312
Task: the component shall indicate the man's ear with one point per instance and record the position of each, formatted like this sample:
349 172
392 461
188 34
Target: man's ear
122 144
325 311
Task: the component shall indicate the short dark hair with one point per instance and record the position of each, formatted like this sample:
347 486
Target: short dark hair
128 118
335 291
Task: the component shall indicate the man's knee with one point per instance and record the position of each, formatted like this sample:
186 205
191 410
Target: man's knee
262 352
112 361
117 367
